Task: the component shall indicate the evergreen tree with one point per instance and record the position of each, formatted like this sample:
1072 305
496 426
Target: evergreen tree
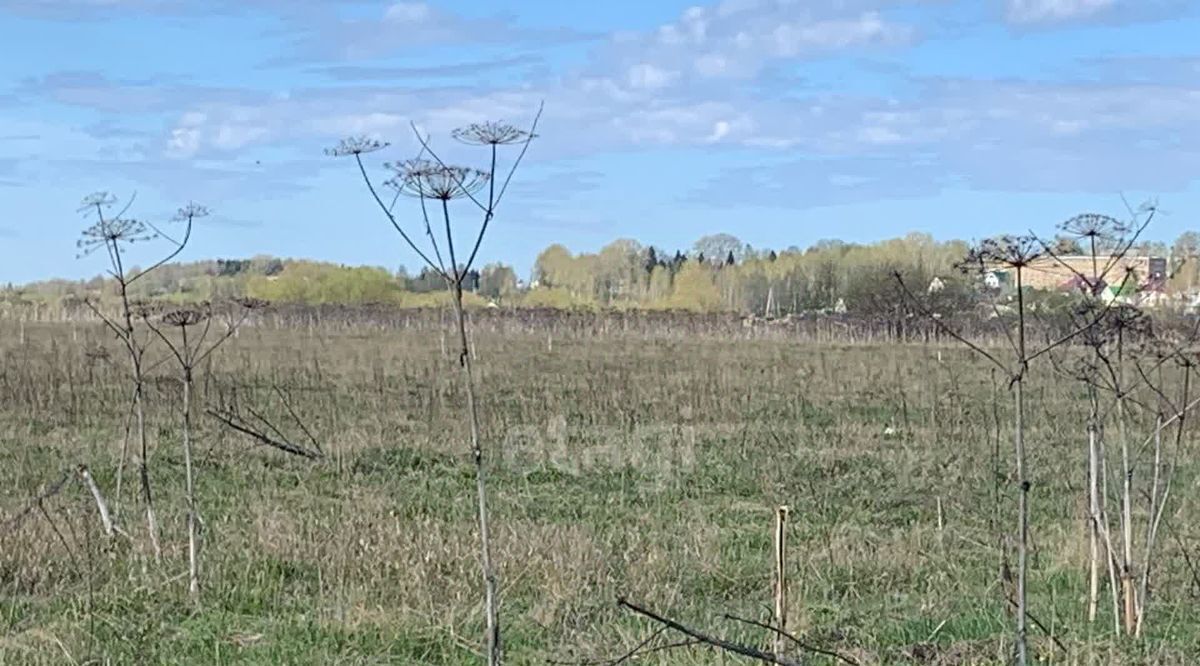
651 260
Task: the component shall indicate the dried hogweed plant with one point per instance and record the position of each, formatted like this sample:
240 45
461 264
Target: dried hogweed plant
114 234
1134 371
437 185
186 333
1016 256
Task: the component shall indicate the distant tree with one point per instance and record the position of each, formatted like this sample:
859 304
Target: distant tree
651 260
1150 249
658 290
1187 245
497 282
471 280
677 261
618 270
1067 245
552 266
428 280
231 267
694 289
273 267
719 245
1185 255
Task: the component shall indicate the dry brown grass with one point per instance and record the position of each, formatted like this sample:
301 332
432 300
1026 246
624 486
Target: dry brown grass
643 466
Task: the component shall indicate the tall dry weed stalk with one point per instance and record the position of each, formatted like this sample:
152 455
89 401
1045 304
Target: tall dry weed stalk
186 334
1016 256
114 234
1122 339
435 185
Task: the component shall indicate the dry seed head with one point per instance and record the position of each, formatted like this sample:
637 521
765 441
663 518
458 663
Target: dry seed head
1094 226
184 317
1127 319
491 133
191 212
249 303
145 309
356 145
1002 252
96 199
432 180
118 232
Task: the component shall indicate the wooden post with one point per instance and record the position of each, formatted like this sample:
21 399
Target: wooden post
941 523
781 515
1093 523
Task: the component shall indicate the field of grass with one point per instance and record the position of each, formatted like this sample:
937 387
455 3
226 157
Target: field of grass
627 465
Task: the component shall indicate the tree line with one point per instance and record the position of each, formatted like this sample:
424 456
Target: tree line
718 273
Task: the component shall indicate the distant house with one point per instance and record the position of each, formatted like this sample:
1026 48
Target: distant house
1110 277
1063 272
1125 292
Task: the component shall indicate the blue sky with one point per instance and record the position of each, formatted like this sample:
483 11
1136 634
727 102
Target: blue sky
781 121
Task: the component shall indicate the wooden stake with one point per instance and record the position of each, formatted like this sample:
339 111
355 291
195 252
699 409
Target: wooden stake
781 515
941 523
1093 524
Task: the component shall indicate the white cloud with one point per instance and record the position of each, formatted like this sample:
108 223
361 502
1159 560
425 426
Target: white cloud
223 129
877 135
711 64
738 38
721 130
1052 11
648 77
408 12
183 142
409 26
696 82
793 39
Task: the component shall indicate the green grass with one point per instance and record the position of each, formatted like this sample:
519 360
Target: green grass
644 467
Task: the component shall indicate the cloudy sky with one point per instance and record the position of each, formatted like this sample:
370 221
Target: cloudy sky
781 121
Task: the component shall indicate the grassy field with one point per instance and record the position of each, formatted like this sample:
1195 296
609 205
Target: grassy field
625 465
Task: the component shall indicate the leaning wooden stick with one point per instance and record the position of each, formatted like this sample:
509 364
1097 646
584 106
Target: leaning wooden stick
105 519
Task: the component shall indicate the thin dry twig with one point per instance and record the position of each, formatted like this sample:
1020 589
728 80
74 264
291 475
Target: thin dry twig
796 641
234 422
10 524
720 643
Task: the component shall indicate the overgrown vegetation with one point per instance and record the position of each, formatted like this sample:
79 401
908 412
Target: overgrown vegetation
628 469
612 454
